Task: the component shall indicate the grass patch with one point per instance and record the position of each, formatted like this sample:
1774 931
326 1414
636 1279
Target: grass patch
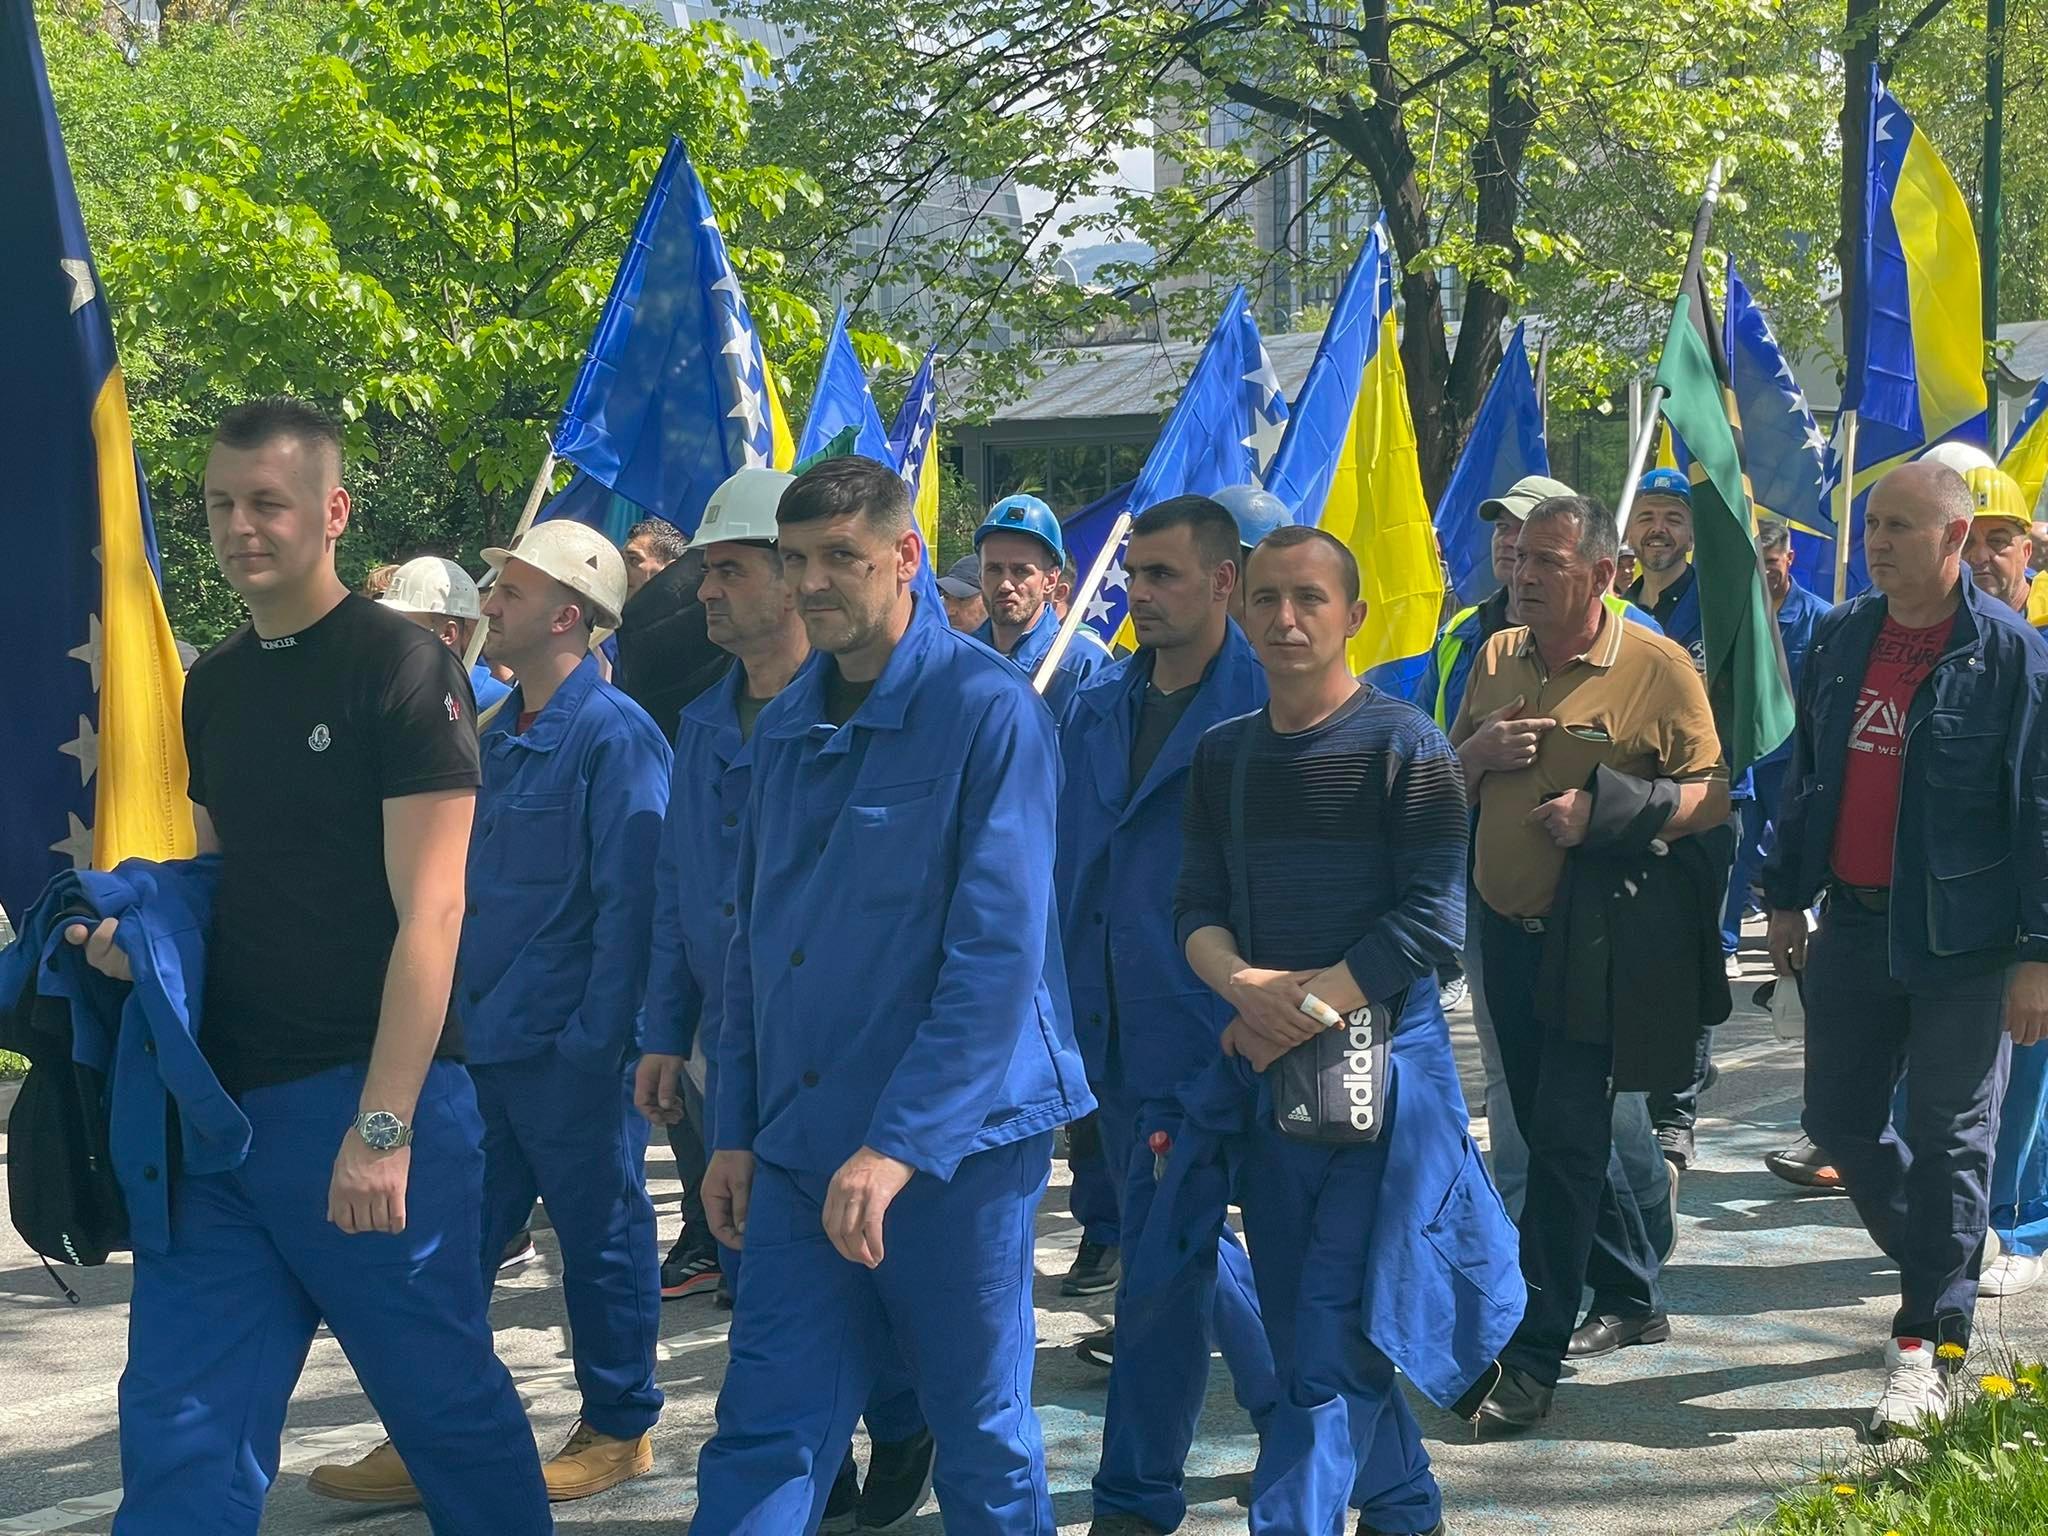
1981 1471
12 1065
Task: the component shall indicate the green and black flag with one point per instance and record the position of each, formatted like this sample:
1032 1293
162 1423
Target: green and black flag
1745 659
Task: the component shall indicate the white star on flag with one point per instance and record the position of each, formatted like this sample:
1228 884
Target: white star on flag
1099 609
739 341
86 748
78 844
749 408
1265 439
1884 128
1814 440
1264 376
83 289
91 652
1115 576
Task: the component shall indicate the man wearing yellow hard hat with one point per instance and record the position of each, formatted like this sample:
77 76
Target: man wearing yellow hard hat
2000 548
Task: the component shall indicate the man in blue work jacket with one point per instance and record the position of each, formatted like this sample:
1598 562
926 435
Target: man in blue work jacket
438 595
750 611
895 1051
1145 1022
551 970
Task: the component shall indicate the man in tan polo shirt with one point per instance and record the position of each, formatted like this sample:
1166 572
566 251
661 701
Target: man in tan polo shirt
1573 690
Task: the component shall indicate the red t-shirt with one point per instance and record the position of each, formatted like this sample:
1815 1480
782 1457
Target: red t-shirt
1868 821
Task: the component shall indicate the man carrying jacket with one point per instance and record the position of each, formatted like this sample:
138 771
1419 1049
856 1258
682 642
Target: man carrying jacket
1145 1022
1914 801
895 1050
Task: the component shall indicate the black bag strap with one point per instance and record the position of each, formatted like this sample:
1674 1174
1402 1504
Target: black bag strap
1240 873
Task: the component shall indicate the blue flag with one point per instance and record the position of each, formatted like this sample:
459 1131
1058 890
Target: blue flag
1083 533
589 501
1506 444
842 400
673 397
90 735
1783 449
913 437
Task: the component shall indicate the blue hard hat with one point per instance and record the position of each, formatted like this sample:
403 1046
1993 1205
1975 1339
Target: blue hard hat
1666 482
1024 514
1257 510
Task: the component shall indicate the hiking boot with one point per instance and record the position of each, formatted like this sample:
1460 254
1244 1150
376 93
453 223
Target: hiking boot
899 1476
591 1463
1915 1388
1095 1269
379 1478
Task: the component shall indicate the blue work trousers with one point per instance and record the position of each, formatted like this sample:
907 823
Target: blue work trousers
219 1327
1341 1433
2019 1167
1922 1185
1160 1374
812 1332
1756 817
1097 1181
573 1138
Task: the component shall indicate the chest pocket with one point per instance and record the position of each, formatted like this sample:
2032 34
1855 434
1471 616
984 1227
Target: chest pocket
535 839
892 836
1961 756
1582 741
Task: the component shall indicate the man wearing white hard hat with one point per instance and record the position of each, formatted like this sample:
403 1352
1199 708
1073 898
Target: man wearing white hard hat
551 969
437 595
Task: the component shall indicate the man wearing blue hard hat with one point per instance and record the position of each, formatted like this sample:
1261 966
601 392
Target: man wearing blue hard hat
1258 512
1021 556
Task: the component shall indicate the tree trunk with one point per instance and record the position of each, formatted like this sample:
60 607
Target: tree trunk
1859 52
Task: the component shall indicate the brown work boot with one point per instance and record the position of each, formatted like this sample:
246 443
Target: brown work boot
379 1478
591 1463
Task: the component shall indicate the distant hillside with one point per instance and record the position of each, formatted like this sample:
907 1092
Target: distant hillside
1091 259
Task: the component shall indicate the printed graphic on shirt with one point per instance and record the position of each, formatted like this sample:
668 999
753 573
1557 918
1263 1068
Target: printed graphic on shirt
1900 660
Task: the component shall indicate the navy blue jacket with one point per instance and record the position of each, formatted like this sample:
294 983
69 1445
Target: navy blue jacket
144 1038
1798 615
1970 856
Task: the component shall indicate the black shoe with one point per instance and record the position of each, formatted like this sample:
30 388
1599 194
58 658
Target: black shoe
899 1476
843 1503
1098 1348
1120 1524
1604 1333
1675 1142
517 1252
1505 1401
689 1274
1095 1270
1439 1529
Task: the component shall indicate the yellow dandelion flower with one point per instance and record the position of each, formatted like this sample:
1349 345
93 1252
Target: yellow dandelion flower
1997 1386
1845 1490
1950 1352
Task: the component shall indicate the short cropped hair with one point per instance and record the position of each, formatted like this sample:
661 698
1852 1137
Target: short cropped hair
1599 539
1290 535
847 486
1208 523
378 581
1772 534
256 422
665 537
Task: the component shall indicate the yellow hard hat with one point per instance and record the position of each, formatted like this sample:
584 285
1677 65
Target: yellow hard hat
1997 494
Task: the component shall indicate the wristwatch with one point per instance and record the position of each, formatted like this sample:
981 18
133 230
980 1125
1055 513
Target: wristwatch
382 1131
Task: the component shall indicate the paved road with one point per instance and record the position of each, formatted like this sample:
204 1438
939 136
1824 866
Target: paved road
1780 1306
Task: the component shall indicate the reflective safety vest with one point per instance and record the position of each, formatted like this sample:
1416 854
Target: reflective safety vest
1460 632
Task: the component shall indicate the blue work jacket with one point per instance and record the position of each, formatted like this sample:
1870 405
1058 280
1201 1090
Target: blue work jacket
895 979
144 1038
561 878
694 872
1970 853
1798 616
1085 657
1442 1290
1118 857
485 688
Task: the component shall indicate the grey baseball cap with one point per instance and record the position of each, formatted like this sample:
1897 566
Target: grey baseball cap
962 578
1519 499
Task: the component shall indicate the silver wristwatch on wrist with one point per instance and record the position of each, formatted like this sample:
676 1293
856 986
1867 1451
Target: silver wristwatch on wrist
382 1131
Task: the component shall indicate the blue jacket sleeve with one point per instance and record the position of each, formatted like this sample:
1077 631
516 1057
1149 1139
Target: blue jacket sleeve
1201 896
2028 754
736 1114
995 936
674 1000
1785 885
627 794
1426 831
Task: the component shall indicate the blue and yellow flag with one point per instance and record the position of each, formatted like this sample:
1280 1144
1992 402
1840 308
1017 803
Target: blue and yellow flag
842 399
90 732
2026 451
1506 444
1783 449
913 441
1348 464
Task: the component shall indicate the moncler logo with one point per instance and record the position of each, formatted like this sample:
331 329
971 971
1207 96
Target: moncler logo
321 739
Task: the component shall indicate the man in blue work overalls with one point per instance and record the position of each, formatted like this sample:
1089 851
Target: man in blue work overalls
895 1051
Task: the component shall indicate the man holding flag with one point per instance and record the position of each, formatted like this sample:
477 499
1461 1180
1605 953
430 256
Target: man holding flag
1022 555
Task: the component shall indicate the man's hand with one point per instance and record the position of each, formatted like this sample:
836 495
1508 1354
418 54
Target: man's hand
1269 1004
1787 939
1504 742
1564 817
858 1198
1260 1052
367 1193
727 1187
656 1093
2026 1002
101 952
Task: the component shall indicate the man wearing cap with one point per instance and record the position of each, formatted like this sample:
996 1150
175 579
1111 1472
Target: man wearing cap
1022 555
1257 512
961 588
895 1048
551 970
438 595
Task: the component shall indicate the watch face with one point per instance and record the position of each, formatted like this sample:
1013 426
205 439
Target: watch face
382 1130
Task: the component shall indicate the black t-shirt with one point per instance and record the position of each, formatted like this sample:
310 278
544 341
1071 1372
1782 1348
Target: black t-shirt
1157 717
295 744
843 698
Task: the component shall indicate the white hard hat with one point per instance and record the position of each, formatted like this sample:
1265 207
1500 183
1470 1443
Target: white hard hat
743 508
579 557
1960 457
430 584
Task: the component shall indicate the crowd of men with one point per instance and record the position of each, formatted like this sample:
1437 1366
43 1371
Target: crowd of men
766 838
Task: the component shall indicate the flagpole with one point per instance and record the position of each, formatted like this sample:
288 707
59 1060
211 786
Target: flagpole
1543 385
534 497
1845 519
1077 605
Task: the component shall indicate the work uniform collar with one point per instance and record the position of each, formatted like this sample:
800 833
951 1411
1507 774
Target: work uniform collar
548 728
717 710
1667 600
1031 645
1602 653
884 707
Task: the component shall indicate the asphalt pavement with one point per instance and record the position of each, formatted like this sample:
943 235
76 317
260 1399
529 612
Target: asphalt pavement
1780 1306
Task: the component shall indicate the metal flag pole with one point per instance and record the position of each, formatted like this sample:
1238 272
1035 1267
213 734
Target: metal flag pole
1077 605
534 497
1845 519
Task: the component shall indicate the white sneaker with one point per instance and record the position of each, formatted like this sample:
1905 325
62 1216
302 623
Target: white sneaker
2009 1274
1734 966
1914 1388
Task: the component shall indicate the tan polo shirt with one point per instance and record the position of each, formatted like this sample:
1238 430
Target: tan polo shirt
1633 702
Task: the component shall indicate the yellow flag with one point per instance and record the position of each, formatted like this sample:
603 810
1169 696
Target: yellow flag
782 451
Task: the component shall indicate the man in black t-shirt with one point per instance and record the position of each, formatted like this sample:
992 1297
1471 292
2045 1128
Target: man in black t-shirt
333 768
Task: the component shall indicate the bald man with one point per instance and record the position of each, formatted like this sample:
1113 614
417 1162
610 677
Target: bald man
1914 803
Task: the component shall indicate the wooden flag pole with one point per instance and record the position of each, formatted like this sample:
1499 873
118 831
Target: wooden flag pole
1845 519
1077 605
534 497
